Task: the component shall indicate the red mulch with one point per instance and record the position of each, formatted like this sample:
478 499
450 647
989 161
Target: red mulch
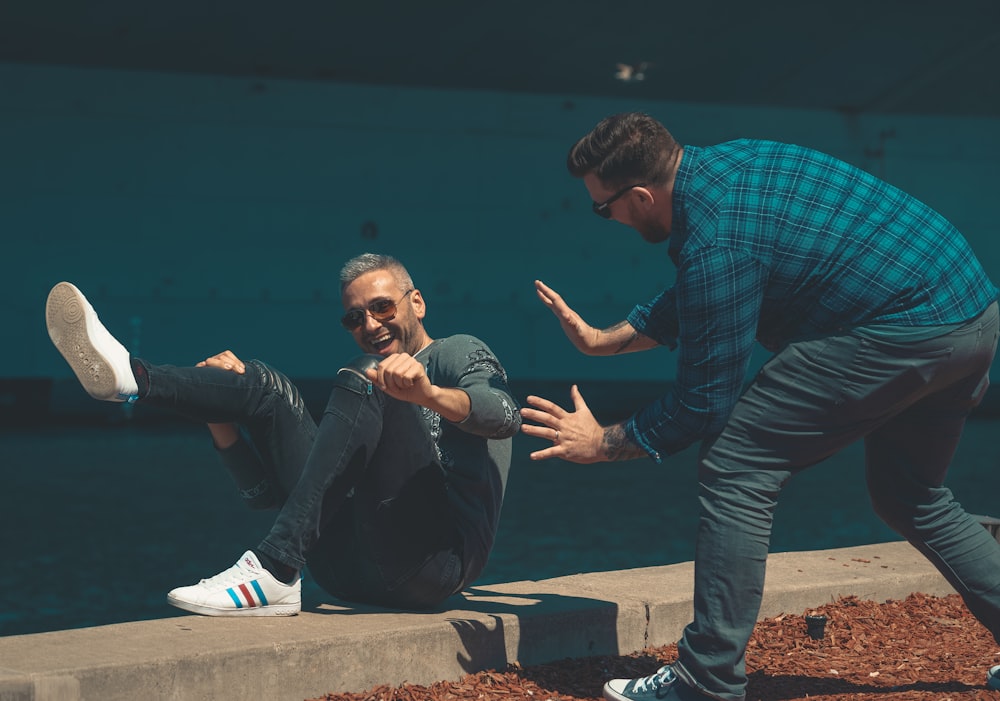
925 648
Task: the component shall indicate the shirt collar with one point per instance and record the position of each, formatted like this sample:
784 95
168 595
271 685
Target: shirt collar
678 222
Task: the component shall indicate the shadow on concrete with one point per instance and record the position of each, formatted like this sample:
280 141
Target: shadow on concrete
498 628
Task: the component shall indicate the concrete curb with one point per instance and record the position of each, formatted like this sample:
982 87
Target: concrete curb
332 648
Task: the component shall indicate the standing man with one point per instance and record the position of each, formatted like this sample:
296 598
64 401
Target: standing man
883 326
393 499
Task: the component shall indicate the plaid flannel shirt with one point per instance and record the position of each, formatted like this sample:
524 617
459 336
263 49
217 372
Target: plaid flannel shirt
775 242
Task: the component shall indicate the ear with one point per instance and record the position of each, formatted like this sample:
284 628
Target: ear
418 303
644 197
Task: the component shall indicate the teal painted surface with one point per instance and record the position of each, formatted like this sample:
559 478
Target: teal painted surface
201 213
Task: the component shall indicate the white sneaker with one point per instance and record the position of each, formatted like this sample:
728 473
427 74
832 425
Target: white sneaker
245 589
100 362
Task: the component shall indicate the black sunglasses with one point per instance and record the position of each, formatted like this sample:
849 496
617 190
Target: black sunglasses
380 309
603 209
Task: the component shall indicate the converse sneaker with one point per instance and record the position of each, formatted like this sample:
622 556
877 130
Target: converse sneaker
662 684
245 589
993 678
100 362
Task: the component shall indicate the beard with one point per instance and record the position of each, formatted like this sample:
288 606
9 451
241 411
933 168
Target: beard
652 232
650 228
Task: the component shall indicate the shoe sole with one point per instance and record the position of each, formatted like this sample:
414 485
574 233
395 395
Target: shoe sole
269 610
66 319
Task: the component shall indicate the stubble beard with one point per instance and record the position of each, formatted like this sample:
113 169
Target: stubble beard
653 233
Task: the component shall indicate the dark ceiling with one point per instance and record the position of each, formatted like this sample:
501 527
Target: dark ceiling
859 56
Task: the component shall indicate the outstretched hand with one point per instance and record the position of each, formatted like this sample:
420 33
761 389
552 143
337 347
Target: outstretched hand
579 332
576 436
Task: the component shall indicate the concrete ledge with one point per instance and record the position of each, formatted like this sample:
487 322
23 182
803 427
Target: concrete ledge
334 648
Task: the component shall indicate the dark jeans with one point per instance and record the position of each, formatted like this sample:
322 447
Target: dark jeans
363 498
909 403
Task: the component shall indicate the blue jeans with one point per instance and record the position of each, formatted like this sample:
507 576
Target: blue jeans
909 403
362 496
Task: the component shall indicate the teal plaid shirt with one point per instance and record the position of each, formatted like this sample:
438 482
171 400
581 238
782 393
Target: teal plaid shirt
776 243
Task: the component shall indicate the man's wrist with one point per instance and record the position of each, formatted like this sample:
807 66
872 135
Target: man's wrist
615 445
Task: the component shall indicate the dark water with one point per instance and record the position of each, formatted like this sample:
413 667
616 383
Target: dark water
99 521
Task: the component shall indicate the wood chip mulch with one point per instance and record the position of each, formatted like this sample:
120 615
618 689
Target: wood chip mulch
923 648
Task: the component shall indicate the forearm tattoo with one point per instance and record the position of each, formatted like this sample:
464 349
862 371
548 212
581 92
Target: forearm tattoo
628 341
617 446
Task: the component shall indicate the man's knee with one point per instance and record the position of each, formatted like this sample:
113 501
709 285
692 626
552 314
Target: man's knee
354 374
277 383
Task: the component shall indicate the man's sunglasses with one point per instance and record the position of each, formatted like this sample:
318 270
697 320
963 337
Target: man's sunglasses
380 309
603 209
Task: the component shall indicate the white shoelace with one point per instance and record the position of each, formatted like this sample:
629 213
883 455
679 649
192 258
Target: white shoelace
234 575
664 676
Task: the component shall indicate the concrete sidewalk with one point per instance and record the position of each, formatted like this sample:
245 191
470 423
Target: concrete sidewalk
329 648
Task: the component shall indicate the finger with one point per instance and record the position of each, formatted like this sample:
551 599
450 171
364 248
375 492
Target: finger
551 452
397 373
235 364
544 289
543 292
403 380
577 397
226 361
234 360
545 405
537 431
539 417
378 373
555 299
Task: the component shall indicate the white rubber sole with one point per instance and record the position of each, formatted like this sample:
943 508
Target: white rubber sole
82 341
269 610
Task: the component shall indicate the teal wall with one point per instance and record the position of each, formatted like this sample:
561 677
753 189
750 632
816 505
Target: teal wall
201 213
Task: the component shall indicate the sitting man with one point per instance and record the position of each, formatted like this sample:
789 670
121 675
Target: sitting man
392 499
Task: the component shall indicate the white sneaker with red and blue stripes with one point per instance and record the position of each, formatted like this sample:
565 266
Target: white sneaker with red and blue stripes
245 589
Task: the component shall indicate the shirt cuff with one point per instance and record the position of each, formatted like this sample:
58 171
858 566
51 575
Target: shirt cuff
632 433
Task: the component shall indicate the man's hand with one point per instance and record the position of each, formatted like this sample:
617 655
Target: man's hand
579 332
620 338
403 377
576 436
226 360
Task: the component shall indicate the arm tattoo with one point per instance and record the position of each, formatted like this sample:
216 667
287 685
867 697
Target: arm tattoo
617 446
628 341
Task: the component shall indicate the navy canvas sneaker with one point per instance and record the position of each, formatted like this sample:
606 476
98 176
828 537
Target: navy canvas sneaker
662 685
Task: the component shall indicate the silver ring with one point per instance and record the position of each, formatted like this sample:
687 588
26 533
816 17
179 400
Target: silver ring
556 439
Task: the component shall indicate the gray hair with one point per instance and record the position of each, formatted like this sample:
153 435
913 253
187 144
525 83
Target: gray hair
370 262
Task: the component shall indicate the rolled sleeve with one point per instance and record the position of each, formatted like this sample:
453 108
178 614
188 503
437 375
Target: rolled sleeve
657 319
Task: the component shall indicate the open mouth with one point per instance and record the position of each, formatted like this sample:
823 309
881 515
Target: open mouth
381 342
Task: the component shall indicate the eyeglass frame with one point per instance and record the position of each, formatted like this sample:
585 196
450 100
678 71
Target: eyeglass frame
603 209
377 316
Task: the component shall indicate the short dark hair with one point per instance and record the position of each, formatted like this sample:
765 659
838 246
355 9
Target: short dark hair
623 149
369 262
